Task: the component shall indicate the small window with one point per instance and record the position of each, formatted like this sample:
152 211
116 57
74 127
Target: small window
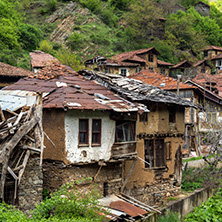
203 70
168 150
96 132
172 115
150 58
123 72
138 69
143 117
125 131
150 68
83 132
154 153
205 53
162 70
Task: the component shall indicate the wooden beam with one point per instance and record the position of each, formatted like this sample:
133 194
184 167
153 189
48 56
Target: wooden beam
25 161
2 114
128 175
30 148
13 113
12 173
10 145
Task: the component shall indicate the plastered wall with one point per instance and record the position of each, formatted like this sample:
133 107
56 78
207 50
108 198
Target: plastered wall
87 154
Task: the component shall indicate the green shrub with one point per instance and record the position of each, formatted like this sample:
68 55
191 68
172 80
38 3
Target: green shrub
75 41
169 217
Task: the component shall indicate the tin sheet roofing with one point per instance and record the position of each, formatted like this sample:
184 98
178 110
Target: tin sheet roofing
41 59
8 70
160 80
121 206
67 89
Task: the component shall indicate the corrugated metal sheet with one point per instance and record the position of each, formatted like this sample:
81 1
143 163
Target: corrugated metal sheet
66 89
15 99
120 207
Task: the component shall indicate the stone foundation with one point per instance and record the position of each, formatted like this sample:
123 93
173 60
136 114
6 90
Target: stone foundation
108 179
31 185
153 194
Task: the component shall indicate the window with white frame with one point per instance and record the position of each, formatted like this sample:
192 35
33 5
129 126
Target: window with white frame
123 71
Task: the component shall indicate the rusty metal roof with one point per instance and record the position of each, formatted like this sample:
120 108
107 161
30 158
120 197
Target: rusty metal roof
41 59
121 206
67 89
12 71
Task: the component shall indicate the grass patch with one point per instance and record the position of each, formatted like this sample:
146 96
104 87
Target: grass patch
192 159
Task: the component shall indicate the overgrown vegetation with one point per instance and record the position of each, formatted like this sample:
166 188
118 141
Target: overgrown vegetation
195 178
169 217
108 28
210 211
66 204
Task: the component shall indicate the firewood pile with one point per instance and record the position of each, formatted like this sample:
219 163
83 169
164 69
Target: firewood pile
21 134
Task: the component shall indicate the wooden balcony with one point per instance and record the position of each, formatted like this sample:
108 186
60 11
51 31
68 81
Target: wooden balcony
124 150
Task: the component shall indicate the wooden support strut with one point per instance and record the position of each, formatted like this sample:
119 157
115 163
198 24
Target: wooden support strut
128 175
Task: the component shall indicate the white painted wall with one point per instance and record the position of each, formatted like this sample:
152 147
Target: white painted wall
95 153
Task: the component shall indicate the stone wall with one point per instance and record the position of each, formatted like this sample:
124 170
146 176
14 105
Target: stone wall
31 185
108 178
154 193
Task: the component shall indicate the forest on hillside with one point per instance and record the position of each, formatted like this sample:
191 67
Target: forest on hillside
76 30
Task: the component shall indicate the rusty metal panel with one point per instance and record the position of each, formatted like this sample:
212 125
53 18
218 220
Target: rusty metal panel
127 208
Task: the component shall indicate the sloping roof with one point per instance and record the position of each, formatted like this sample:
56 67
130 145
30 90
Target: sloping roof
12 71
66 89
159 80
219 56
181 64
41 59
201 62
212 47
162 63
129 55
112 62
203 78
203 3
135 90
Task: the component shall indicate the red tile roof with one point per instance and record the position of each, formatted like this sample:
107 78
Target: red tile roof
162 63
67 89
201 62
219 56
159 80
129 55
212 47
203 78
180 64
41 59
8 70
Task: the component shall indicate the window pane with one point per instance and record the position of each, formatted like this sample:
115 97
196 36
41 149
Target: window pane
125 131
83 131
120 135
96 131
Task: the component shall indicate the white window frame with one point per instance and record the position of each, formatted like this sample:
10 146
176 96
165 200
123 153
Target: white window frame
124 69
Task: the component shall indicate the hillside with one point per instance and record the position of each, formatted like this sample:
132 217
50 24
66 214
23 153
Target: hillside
91 27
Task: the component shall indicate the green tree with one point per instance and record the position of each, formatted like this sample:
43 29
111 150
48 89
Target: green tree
68 58
143 17
46 46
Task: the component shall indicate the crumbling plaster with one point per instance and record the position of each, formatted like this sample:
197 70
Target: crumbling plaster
88 153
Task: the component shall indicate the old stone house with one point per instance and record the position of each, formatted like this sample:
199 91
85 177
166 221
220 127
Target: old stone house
217 62
202 66
156 173
129 63
185 67
211 51
202 8
11 74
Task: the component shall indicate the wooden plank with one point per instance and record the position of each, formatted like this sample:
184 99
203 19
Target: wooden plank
18 119
128 175
10 145
13 113
49 139
23 152
25 161
12 173
2 114
31 148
